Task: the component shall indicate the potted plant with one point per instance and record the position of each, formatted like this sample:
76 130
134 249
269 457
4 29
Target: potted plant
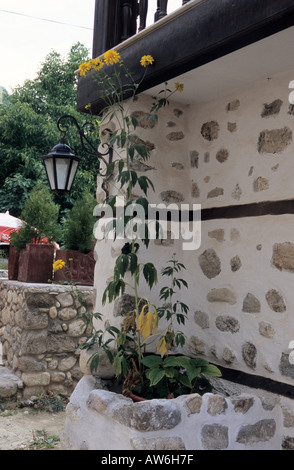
33 243
78 243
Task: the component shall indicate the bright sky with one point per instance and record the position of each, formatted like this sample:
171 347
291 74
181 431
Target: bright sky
30 29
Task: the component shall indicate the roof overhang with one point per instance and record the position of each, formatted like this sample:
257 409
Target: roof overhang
203 38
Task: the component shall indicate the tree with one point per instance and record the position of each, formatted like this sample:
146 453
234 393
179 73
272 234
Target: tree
28 131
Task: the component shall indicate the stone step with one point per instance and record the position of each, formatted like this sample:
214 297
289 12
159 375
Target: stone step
9 383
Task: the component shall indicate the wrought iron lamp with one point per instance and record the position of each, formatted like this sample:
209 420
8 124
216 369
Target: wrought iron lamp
61 163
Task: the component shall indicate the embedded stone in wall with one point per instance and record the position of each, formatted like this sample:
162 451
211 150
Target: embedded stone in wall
260 184
171 196
210 263
271 109
178 166
177 112
215 437
285 367
206 157
222 155
227 323
31 319
123 305
137 165
216 192
136 140
216 405
233 105
251 304
193 404
194 158
291 109
232 126
39 300
228 356
234 234
201 319
157 417
196 346
288 443
274 141
218 234
249 353
237 193
210 130
195 193
174 136
283 256
235 263
222 294
158 443
242 404
266 329
275 301
261 431
34 342
144 119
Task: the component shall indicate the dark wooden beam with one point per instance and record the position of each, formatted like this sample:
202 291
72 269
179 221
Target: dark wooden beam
204 33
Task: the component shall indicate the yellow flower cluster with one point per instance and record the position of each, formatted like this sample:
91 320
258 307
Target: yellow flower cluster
179 87
146 60
110 57
58 264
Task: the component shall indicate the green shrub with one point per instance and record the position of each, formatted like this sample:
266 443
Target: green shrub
79 224
40 215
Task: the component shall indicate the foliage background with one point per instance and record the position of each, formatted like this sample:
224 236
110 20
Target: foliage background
28 130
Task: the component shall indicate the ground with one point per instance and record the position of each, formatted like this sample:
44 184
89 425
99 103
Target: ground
26 428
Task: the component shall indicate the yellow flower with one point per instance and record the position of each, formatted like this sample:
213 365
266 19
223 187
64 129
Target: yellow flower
96 64
84 68
146 60
147 323
111 57
179 86
162 347
58 264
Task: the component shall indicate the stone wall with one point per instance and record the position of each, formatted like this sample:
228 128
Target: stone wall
41 328
232 418
234 157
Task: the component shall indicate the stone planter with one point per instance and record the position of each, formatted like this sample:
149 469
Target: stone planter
81 267
13 263
36 263
97 419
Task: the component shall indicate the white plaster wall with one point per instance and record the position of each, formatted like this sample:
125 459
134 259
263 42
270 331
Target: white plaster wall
256 235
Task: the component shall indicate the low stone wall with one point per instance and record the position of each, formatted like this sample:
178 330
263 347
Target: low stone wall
232 418
41 328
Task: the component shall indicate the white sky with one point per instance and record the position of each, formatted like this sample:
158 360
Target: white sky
25 41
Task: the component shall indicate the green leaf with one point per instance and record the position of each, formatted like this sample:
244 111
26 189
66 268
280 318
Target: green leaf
151 361
133 262
121 265
155 375
192 372
177 361
184 379
150 274
211 371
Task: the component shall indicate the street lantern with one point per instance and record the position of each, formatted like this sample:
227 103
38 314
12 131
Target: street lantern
61 166
61 163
